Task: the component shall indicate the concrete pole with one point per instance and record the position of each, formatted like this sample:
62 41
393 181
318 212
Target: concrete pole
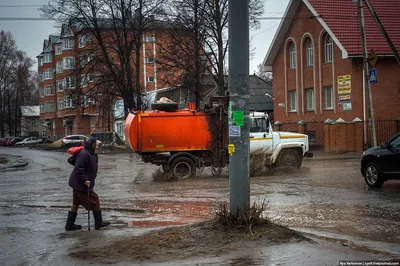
366 72
239 160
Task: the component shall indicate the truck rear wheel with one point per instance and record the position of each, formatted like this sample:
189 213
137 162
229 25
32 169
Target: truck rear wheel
183 167
289 158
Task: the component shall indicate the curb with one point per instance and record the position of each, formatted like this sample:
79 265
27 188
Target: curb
332 158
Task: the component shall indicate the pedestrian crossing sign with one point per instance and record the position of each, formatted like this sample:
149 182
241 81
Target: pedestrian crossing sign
372 76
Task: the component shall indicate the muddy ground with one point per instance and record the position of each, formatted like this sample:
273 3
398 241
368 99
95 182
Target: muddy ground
168 223
207 239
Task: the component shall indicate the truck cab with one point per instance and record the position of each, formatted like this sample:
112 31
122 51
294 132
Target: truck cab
285 148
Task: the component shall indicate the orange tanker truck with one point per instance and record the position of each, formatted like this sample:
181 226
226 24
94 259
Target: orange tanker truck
182 141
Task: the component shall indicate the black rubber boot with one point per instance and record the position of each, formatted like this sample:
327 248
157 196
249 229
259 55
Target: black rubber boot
98 220
71 222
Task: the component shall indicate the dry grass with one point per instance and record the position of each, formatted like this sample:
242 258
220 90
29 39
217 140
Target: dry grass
244 218
56 143
258 160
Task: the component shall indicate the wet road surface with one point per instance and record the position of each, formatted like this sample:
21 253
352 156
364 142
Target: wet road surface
326 200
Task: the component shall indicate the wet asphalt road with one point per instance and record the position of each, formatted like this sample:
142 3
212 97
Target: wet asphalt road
326 200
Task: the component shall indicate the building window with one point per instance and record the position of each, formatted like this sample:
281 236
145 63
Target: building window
49 107
69 83
69 102
33 122
83 39
150 79
48 73
292 56
47 57
88 100
149 60
149 39
58 48
40 61
85 60
60 103
41 92
328 49
68 43
59 85
293 101
41 77
328 97
44 133
84 80
310 99
69 62
42 110
309 52
48 90
59 67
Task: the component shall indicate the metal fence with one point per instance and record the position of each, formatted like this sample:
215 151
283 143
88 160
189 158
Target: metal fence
384 130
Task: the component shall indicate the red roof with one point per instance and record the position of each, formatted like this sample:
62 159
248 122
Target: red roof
342 18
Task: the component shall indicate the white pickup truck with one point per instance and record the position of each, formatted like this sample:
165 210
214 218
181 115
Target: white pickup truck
286 149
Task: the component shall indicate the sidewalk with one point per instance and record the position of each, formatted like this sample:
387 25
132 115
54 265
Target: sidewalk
322 155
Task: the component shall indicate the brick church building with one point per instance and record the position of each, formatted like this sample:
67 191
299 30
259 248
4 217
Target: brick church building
317 65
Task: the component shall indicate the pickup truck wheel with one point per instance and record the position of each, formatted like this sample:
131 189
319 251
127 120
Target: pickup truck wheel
289 158
373 177
183 167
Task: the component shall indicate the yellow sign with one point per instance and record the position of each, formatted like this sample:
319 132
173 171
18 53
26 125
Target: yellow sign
344 84
231 149
372 58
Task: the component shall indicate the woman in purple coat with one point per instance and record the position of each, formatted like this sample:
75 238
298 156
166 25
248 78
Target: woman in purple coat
81 179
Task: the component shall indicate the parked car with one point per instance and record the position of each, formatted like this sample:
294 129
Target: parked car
75 140
381 163
4 141
13 141
29 141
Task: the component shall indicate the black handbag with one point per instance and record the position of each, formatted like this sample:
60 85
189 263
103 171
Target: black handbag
72 160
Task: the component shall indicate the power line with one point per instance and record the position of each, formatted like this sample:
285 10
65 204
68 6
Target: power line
25 19
267 29
20 6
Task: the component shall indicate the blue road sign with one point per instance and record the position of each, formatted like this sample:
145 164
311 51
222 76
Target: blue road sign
372 76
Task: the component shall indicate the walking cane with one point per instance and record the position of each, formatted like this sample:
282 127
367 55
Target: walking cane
88 210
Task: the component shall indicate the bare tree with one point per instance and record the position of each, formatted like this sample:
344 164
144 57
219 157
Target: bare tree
217 40
267 76
7 51
183 61
16 87
116 28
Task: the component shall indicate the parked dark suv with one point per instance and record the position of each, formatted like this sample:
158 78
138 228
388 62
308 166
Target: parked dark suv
382 163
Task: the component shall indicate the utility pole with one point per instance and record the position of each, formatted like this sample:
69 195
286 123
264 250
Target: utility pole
239 137
366 72
382 29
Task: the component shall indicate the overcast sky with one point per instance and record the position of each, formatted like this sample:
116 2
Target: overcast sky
29 34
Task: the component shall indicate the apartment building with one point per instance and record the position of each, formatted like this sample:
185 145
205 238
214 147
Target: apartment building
63 110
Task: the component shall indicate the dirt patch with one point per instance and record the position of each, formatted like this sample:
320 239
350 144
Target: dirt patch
178 243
